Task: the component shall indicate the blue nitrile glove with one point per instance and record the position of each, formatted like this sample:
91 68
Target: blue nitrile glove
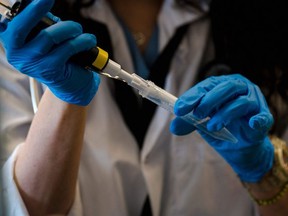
46 56
238 104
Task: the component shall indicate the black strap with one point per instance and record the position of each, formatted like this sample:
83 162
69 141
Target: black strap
137 112
146 209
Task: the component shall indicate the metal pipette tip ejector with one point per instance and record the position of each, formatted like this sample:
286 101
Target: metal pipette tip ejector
97 60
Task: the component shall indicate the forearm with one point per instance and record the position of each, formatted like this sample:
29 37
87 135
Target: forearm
47 166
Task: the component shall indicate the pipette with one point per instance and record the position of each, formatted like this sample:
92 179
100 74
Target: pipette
97 60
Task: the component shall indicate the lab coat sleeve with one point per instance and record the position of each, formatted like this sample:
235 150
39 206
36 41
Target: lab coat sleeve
11 200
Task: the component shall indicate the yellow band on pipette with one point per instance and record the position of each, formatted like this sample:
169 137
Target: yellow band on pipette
101 60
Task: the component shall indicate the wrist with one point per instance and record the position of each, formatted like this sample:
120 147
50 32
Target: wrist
257 163
274 184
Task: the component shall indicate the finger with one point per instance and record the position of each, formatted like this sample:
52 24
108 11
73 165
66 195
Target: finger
180 127
252 104
190 99
187 101
183 107
54 35
27 19
263 121
219 96
236 109
71 47
261 99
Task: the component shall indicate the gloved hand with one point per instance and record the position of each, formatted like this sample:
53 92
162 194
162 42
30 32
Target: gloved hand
233 102
46 56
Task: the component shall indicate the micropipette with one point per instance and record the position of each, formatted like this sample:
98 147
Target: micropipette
97 60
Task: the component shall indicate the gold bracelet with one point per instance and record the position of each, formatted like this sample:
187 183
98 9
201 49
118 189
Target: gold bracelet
277 177
270 201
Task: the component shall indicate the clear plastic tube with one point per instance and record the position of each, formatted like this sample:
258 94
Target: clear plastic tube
162 98
149 90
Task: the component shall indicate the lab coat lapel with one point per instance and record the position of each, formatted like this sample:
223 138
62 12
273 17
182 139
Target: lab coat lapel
170 19
182 74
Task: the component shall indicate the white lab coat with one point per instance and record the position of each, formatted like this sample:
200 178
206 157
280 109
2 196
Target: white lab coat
182 175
